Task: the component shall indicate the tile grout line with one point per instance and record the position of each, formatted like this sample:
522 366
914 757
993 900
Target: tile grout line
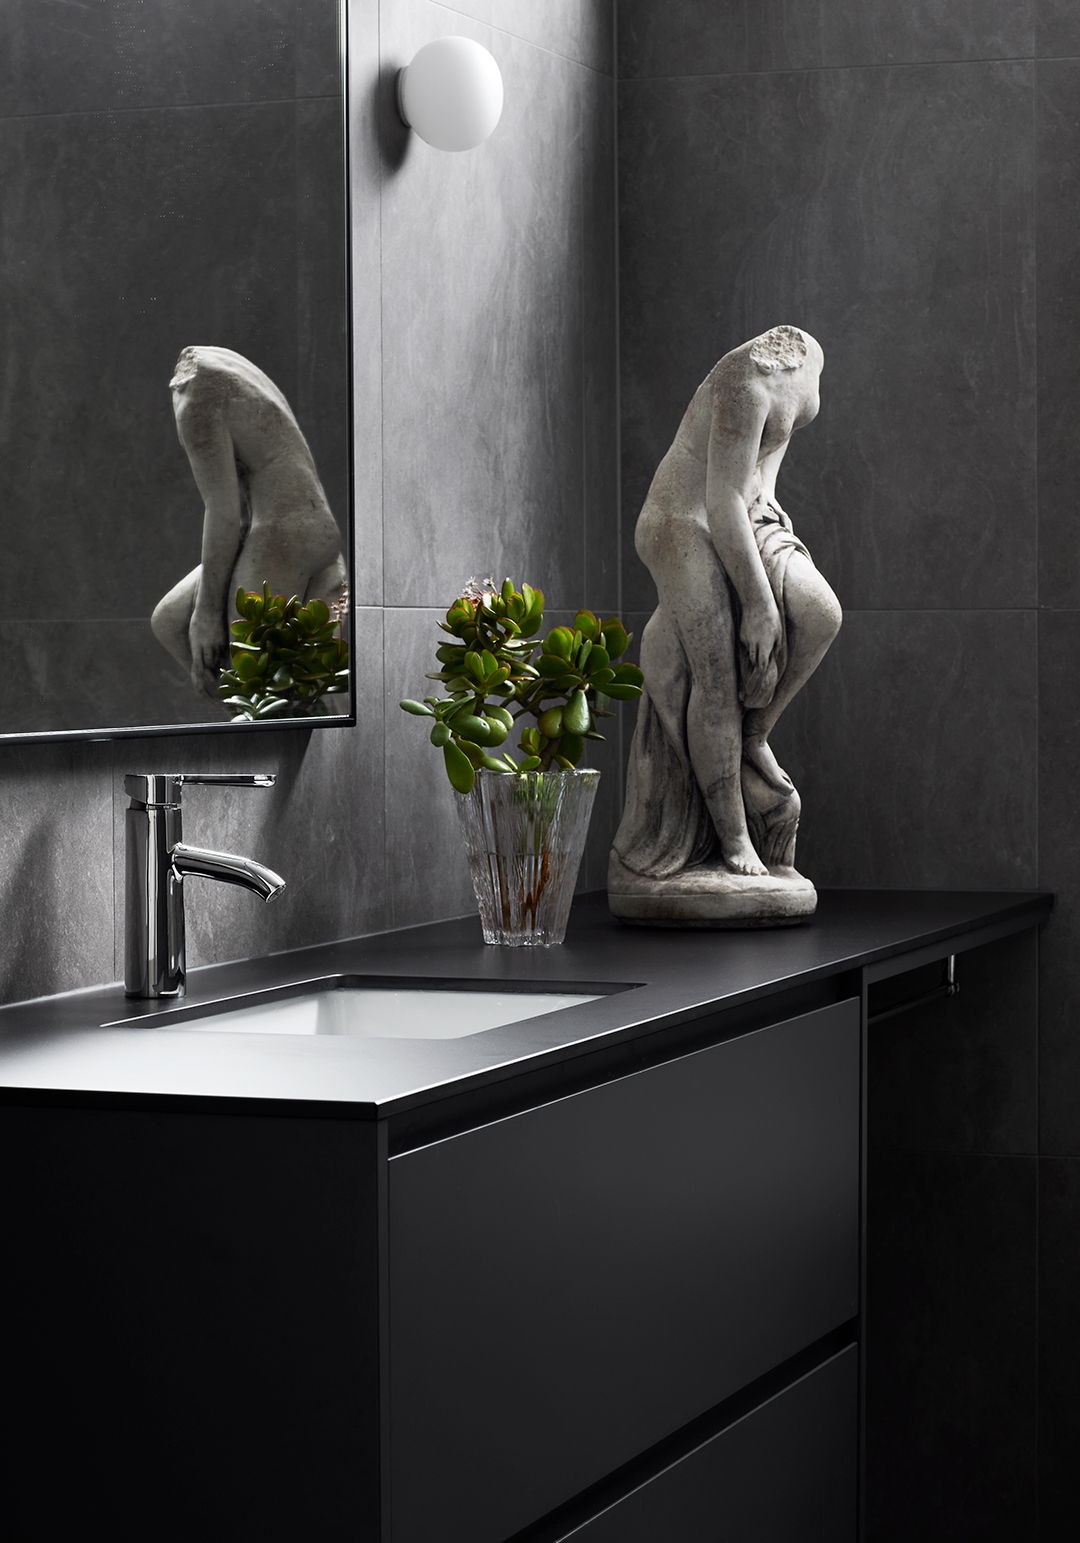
168 107
836 69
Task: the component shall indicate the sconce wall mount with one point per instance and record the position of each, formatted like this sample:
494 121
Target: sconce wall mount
451 94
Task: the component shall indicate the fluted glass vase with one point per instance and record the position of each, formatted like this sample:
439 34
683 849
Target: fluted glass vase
524 838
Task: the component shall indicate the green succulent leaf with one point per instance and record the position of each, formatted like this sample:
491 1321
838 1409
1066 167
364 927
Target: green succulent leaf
628 675
616 639
247 667
576 714
550 722
551 665
472 750
470 726
586 623
418 709
571 748
559 641
458 768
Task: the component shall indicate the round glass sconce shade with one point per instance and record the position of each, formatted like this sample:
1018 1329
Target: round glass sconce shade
451 94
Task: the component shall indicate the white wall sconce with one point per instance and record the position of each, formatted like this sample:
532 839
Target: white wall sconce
451 94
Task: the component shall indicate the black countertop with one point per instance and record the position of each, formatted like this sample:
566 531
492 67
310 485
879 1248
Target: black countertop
55 1049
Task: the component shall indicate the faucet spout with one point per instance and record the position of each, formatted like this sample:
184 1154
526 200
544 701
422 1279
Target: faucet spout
227 869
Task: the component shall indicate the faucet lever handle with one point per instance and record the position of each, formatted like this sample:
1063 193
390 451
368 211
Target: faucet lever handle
232 779
162 790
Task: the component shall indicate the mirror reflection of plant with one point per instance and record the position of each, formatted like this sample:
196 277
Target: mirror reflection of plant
285 658
565 690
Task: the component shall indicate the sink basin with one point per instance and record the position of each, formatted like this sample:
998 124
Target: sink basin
375 1012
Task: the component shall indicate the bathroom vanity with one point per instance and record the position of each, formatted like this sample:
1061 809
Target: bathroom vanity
597 1274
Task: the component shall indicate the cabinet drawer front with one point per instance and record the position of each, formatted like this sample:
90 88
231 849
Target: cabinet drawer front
786 1473
574 1283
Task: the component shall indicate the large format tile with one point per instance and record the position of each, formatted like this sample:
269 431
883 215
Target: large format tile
1057 29
914 750
1058 118
55 869
600 406
890 214
961 1074
951 1315
812 34
719 37
1059 1345
581 30
365 251
426 873
682 37
1059 842
482 338
63 57
321 827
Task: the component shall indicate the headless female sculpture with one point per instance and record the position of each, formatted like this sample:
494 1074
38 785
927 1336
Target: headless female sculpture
266 516
744 618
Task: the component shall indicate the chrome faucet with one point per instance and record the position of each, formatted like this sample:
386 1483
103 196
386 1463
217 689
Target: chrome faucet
157 861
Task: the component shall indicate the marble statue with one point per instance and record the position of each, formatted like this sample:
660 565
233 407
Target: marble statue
266 516
707 836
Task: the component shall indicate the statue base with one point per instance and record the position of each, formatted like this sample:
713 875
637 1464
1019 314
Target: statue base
709 895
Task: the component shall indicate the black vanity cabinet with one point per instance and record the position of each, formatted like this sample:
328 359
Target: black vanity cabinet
572 1285
597 1276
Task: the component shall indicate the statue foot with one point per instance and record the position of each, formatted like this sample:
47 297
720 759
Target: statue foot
740 857
756 751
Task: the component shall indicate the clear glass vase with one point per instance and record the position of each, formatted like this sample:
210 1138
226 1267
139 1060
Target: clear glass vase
524 838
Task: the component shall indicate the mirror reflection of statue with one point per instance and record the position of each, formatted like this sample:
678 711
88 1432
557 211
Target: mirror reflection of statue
266 516
744 618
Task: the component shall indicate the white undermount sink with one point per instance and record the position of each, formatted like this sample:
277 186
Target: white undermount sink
375 1012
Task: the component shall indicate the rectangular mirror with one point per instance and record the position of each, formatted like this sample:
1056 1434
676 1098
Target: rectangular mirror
174 308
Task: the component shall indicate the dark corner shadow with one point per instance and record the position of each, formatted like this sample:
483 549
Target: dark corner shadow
392 134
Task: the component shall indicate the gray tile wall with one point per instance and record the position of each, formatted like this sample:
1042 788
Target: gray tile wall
903 181
485 441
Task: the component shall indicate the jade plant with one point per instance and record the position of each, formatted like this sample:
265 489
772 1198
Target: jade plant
285 657
495 682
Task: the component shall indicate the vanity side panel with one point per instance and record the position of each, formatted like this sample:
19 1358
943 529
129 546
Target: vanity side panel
786 1470
190 1306
570 1285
